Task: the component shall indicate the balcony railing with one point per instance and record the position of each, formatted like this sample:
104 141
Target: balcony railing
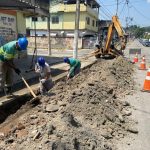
72 8
41 6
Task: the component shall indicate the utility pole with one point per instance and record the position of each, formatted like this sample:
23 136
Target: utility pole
117 7
76 32
49 35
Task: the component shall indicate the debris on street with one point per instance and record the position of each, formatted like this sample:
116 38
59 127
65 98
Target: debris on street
83 113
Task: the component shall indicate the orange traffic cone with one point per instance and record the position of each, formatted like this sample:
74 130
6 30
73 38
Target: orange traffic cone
148 72
146 87
143 58
135 60
142 65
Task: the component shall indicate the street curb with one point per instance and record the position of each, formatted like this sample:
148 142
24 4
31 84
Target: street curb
6 103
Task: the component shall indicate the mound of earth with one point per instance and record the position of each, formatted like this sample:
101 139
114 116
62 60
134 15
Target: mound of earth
84 113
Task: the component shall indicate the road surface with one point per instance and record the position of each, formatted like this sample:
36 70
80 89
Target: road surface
140 102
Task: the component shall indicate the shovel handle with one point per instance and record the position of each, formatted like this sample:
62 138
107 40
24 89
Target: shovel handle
28 87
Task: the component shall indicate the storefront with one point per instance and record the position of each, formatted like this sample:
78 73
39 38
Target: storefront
8 26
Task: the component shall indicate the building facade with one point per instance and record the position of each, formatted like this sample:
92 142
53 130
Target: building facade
12 25
62 21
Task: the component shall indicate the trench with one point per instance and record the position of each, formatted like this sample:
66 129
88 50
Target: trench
13 109
13 106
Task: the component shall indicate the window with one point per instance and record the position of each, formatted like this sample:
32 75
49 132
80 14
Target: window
93 23
43 18
96 23
34 19
55 20
88 20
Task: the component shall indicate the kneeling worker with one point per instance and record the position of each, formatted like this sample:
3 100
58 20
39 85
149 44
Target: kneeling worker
43 68
75 66
7 54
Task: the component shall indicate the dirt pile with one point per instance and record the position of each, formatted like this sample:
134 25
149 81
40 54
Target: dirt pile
82 114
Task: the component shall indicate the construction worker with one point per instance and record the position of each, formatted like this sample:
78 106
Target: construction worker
75 66
7 54
45 79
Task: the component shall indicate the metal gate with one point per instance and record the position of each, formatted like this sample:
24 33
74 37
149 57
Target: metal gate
89 42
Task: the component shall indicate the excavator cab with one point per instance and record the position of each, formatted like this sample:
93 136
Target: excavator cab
113 46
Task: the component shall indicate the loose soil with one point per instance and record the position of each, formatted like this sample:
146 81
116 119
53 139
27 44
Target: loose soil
84 113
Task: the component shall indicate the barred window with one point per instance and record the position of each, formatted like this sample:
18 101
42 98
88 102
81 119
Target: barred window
88 20
55 20
93 23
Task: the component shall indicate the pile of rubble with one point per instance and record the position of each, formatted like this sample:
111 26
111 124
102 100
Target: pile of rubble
84 113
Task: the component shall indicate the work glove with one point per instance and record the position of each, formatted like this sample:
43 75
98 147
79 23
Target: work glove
68 76
43 81
17 71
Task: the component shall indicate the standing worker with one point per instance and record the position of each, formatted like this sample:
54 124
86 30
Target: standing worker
75 66
7 54
43 68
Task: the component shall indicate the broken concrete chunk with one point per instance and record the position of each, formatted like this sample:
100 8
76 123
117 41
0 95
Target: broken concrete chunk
125 103
20 126
33 116
127 113
10 140
62 103
2 134
91 84
132 130
121 118
107 135
51 128
52 108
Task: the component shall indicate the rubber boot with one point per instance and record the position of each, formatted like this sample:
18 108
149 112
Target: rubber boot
8 92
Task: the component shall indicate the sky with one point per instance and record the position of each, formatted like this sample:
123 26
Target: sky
130 12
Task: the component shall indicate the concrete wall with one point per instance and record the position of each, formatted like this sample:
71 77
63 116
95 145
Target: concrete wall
56 43
21 23
12 23
8 26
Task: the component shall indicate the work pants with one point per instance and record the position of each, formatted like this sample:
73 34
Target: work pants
6 75
76 71
45 86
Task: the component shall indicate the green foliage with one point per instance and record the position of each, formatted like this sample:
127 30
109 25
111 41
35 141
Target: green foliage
139 32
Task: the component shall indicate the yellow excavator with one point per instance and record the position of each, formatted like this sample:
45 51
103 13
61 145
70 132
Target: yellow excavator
110 47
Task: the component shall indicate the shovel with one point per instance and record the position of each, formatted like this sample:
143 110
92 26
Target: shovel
27 85
29 88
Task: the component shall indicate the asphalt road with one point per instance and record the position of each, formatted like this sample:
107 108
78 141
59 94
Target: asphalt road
141 107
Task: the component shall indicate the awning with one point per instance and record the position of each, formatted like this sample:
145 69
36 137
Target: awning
88 34
41 7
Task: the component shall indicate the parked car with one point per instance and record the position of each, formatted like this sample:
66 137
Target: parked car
147 43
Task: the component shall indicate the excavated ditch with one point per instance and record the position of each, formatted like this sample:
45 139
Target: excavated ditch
85 113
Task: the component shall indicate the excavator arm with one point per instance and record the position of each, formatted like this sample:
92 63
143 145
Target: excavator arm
115 25
109 47
120 31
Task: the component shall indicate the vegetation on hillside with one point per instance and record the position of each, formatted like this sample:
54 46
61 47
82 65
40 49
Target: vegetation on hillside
139 32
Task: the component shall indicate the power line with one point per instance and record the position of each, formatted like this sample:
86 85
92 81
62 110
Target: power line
117 7
105 13
145 17
104 17
110 13
114 4
123 8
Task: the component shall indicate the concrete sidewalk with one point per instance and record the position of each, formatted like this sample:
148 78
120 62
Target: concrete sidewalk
26 65
58 71
57 56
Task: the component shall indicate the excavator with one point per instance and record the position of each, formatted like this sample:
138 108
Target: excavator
111 48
